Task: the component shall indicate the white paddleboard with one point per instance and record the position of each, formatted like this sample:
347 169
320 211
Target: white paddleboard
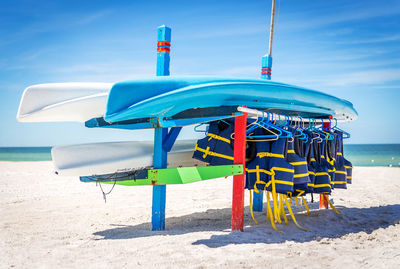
110 157
76 101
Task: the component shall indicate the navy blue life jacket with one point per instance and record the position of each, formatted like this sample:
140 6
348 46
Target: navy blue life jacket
311 164
349 170
320 167
325 161
300 178
217 147
256 168
277 163
340 180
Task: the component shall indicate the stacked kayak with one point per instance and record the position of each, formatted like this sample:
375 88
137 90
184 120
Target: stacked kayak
166 98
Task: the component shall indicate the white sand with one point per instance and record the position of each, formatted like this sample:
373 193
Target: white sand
50 221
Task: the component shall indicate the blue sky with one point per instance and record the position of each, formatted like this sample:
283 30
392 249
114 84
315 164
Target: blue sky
350 49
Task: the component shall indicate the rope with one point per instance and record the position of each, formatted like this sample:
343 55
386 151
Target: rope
102 191
114 176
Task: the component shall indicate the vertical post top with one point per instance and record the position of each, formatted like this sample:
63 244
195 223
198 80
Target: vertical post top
164 33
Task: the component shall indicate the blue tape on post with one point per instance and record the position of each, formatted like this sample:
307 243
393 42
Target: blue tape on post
266 67
160 134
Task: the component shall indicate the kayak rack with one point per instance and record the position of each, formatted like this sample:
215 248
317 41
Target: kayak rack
166 131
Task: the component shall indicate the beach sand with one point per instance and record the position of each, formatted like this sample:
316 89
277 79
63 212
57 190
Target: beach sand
49 221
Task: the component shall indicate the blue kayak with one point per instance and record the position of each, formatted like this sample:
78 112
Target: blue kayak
170 96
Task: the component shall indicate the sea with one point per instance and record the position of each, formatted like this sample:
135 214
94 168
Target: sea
359 154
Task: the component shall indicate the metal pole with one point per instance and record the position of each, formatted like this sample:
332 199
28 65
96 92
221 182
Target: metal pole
160 154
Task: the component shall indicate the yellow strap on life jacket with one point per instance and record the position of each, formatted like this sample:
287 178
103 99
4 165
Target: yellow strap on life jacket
300 175
348 167
340 172
290 151
301 192
269 154
298 163
282 210
251 207
305 205
349 177
292 215
312 160
269 213
208 152
274 196
334 208
310 185
218 138
282 169
322 185
339 182
339 154
322 174
278 210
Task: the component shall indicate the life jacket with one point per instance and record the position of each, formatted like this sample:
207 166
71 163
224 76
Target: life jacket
300 178
257 175
217 147
326 160
322 182
340 179
347 164
282 172
349 170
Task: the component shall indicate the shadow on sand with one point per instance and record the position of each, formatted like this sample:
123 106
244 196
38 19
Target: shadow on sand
322 224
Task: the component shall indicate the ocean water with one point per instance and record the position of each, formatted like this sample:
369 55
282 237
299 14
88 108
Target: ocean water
373 154
25 154
359 155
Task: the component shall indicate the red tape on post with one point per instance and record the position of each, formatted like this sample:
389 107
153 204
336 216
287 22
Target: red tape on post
163 50
163 46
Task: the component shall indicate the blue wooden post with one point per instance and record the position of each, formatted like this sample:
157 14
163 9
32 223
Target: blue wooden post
266 65
160 154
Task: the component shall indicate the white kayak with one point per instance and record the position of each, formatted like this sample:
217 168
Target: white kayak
110 157
76 101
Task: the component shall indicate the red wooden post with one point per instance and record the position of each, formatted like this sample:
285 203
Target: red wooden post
323 198
238 181
323 201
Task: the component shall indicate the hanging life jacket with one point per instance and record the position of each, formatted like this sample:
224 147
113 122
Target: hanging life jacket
217 147
349 170
282 172
257 175
311 164
322 182
326 161
340 180
301 177
347 164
